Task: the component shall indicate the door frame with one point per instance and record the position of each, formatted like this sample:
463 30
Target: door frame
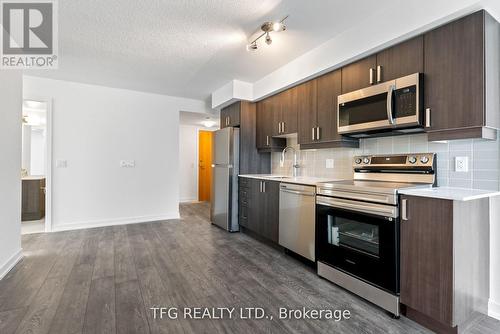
48 157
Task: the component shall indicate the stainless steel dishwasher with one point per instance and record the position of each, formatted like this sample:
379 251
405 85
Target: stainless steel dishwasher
297 219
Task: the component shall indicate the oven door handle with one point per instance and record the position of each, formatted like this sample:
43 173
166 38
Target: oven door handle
368 208
298 192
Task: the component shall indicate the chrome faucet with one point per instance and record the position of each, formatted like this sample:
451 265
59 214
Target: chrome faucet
295 165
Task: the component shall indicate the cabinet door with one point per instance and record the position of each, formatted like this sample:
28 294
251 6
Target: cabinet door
253 205
224 113
454 73
234 114
329 87
263 136
401 60
357 75
270 204
427 257
289 111
275 110
306 109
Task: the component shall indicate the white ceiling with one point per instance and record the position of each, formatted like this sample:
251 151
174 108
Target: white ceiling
190 48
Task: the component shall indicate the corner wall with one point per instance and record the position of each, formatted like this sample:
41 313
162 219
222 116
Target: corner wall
10 170
94 128
188 162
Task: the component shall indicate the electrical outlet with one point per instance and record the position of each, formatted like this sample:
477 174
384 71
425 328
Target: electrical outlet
329 163
462 164
127 163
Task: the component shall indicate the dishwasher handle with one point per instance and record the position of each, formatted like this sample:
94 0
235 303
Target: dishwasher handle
298 192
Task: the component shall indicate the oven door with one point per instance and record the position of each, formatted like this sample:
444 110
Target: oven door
389 105
359 238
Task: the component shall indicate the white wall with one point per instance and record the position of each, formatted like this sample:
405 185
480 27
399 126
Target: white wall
188 162
10 169
95 127
494 302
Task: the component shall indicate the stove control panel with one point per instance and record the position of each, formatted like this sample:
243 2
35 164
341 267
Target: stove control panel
395 160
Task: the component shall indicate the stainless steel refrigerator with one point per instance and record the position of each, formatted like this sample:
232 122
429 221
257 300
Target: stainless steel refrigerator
225 168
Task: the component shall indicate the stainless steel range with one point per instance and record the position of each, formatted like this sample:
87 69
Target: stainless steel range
357 224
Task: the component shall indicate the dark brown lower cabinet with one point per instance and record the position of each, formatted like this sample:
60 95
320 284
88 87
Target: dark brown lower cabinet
259 207
33 199
444 260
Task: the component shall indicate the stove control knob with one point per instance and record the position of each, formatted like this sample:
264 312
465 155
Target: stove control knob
366 160
412 159
358 161
424 159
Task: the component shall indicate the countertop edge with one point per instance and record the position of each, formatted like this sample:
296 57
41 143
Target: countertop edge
461 194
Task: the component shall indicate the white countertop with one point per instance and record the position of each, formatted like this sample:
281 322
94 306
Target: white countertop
450 193
305 180
33 177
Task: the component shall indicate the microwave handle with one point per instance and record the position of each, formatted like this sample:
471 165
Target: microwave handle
390 93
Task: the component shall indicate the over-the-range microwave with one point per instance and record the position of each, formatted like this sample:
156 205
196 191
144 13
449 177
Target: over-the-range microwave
389 107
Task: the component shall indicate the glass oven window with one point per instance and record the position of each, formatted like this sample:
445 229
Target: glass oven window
359 236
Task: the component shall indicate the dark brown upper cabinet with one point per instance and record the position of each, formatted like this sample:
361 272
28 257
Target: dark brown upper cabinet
462 63
359 74
266 110
318 120
230 115
400 60
285 113
306 106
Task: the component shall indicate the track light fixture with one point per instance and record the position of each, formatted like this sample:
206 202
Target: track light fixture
267 28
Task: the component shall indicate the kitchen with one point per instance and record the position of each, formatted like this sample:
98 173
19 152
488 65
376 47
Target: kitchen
251 167
388 224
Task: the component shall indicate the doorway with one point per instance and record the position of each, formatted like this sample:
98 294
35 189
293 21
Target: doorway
35 166
205 165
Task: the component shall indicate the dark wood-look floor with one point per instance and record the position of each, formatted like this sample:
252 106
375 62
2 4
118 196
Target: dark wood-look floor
105 280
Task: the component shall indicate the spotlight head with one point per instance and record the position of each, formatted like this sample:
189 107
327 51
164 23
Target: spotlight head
252 47
268 39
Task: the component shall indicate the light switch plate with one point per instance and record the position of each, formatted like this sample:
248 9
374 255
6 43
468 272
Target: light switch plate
330 163
61 163
127 163
462 164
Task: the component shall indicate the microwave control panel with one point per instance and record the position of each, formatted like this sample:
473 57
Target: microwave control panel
405 101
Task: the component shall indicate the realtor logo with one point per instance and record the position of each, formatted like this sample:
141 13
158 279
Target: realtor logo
29 34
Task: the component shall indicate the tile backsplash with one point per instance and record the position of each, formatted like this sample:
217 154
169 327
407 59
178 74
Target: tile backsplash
483 159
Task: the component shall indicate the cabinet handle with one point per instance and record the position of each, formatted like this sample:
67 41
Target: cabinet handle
260 186
371 75
428 117
264 186
379 73
313 132
282 127
317 133
404 209
267 140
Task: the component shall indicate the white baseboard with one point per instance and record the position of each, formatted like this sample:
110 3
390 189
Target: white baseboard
7 266
113 222
494 309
